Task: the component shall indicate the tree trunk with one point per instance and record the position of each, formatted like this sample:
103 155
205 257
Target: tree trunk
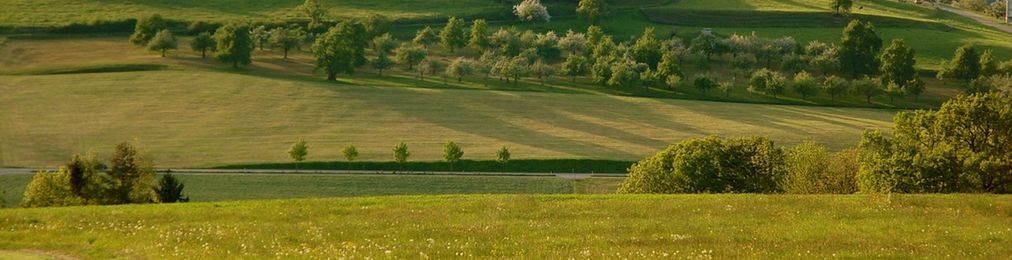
286 53
163 53
235 64
332 76
203 54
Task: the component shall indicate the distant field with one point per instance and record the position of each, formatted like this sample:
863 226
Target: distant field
525 226
205 187
204 118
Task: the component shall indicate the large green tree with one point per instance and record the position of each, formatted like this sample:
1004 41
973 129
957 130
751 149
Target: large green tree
575 66
287 39
452 153
234 44
425 37
410 55
479 35
898 63
341 49
859 49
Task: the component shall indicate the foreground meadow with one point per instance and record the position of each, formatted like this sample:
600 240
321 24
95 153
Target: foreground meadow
528 226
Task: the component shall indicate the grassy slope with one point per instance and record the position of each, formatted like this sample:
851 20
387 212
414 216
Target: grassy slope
512 226
229 187
200 118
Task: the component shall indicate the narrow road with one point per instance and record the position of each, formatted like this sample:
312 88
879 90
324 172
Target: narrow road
976 17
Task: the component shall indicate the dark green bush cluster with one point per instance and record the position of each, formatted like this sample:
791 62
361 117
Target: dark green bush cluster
710 165
129 178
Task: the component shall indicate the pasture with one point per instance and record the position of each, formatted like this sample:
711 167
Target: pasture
528 226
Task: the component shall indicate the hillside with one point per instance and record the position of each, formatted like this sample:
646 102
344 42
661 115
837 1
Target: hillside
524 226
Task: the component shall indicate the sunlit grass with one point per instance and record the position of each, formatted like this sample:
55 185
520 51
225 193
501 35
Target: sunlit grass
525 226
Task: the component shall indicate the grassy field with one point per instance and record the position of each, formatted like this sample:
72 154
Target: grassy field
204 118
205 187
525 226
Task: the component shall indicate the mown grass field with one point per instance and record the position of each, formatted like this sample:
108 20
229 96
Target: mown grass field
209 187
206 118
528 226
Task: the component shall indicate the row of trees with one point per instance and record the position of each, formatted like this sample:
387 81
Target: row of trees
966 146
452 153
128 178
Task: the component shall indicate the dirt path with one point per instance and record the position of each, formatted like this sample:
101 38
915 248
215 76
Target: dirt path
975 17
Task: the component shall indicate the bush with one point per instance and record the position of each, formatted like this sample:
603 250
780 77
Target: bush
710 165
130 179
811 169
49 189
170 190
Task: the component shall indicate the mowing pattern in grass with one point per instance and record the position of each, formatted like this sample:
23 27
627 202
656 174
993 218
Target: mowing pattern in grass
535 227
194 119
201 187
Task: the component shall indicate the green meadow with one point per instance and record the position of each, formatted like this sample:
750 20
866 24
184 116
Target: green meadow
528 226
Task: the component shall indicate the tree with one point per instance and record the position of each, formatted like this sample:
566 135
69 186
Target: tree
315 13
542 71
431 66
575 66
704 83
425 37
897 64
341 49
384 43
454 34
298 151
601 71
914 87
859 50
170 190
531 10
965 146
834 86
203 43
965 65
726 87
669 66
131 177
146 29
894 91
401 154
623 73
573 42
162 42
287 39
410 55
260 36
590 10
805 85
988 65
479 35
350 153
460 68
502 155
647 49
841 7
707 44
452 153
867 88
234 44
382 62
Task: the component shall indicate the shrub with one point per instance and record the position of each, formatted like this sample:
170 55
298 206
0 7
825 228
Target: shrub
710 165
811 169
966 146
170 190
49 189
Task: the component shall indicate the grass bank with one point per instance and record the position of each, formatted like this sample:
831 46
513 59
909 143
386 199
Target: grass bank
529 226
528 165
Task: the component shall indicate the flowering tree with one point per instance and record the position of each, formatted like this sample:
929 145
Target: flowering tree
531 10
